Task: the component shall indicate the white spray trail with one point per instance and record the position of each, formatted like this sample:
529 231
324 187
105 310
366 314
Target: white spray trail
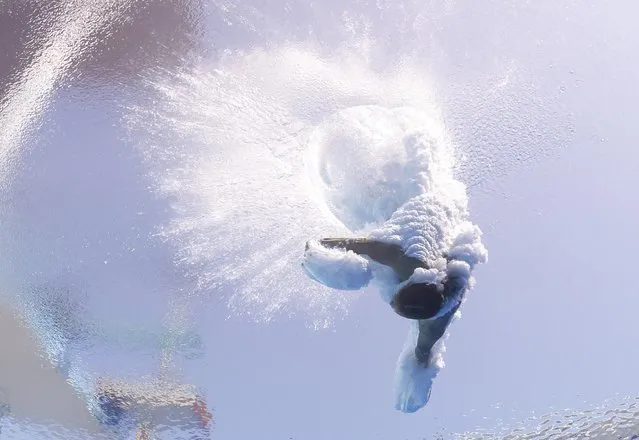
234 147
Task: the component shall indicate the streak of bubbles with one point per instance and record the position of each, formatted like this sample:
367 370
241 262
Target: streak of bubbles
64 222
54 44
71 32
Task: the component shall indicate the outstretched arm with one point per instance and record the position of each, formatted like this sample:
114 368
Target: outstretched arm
388 254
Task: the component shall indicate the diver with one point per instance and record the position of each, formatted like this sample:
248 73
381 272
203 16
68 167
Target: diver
425 302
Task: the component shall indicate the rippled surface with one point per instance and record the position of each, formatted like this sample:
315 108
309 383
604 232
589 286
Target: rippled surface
616 419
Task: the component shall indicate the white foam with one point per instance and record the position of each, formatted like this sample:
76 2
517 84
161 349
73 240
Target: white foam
236 147
337 268
413 382
370 160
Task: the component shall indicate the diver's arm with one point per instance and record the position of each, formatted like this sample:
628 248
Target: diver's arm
430 331
388 254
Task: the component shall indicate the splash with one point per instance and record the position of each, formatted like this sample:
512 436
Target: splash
240 149
405 194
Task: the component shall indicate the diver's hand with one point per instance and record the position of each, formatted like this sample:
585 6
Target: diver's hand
336 268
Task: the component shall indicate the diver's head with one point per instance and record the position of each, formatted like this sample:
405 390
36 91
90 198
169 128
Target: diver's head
418 300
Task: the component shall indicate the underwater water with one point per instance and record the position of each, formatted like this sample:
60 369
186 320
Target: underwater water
164 163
